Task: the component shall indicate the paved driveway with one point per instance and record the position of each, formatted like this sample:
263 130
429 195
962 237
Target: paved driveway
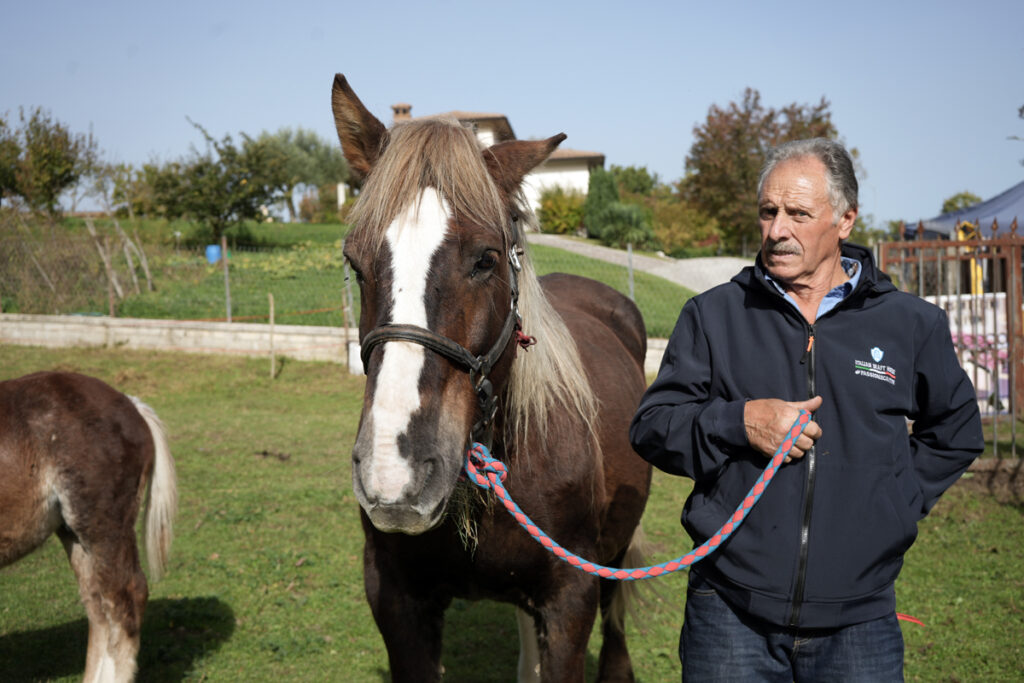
697 274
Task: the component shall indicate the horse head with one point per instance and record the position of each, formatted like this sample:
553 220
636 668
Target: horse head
434 246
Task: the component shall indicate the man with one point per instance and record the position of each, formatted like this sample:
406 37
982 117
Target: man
803 591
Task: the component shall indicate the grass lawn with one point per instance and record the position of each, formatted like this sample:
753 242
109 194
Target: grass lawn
306 278
265 582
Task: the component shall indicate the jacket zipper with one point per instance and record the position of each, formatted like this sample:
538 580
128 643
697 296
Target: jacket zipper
805 525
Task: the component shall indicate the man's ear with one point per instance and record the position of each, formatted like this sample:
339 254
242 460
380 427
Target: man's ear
846 223
362 136
509 162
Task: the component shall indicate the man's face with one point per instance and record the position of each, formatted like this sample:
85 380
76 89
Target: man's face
799 236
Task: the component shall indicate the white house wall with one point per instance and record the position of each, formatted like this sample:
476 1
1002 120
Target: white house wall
568 176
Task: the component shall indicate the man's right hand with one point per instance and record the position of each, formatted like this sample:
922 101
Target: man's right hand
768 421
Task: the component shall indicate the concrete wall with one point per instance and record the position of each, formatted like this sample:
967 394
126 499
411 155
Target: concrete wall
301 342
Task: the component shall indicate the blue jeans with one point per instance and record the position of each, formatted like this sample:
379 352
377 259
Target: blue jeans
719 644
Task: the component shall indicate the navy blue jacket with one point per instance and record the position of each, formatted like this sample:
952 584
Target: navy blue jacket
825 543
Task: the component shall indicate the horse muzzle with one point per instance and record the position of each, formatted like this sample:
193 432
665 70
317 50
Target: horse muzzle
413 506
403 519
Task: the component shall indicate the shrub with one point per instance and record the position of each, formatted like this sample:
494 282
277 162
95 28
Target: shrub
623 224
561 211
601 193
681 228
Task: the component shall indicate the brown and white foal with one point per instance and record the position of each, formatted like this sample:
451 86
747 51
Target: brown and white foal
75 458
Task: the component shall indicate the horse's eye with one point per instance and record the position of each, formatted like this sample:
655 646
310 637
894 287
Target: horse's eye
488 260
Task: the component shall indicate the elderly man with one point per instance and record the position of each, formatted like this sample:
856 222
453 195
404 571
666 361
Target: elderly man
803 591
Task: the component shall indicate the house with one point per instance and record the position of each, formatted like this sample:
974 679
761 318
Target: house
567 168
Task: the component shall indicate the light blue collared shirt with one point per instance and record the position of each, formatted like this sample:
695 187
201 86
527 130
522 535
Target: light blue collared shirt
835 295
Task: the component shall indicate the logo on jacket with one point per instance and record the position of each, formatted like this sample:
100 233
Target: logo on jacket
874 368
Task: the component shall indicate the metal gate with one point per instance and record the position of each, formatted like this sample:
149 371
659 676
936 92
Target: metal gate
977 282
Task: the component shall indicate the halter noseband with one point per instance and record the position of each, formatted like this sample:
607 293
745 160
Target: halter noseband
478 366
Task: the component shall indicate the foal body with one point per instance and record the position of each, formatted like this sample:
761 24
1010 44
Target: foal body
75 458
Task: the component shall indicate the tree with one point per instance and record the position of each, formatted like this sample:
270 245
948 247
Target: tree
42 158
219 187
296 158
634 180
679 227
601 192
961 200
728 151
866 234
10 150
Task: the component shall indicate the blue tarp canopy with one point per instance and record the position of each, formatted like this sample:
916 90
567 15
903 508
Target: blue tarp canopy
1003 207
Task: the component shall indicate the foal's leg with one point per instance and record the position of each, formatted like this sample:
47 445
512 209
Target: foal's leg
114 592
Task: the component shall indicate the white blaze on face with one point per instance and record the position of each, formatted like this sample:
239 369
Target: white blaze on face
413 238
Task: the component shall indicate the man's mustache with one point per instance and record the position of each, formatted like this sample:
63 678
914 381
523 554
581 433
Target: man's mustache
782 248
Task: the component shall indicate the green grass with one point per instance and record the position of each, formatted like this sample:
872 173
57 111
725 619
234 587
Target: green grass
188 233
300 264
658 299
265 581
307 281
1000 435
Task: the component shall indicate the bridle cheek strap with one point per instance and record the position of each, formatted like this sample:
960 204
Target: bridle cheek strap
479 367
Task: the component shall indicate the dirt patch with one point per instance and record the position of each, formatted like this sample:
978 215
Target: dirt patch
1003 479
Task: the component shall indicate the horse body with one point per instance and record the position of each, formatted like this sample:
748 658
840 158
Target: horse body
437 252
75 457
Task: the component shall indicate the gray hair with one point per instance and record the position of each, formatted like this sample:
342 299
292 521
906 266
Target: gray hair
840 179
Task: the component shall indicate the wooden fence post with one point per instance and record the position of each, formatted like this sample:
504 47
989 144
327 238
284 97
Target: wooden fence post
270 298
227 280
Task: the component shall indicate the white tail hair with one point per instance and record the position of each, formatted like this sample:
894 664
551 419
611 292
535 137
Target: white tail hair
162 502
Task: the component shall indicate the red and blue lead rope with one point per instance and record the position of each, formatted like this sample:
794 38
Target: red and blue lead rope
488 473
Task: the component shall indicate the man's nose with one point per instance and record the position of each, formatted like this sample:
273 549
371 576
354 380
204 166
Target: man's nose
779 228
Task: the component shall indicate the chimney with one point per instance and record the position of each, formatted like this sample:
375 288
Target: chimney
402 112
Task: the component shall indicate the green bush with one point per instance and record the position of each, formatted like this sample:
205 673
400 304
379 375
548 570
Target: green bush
601 192
623 224
682 229
561 211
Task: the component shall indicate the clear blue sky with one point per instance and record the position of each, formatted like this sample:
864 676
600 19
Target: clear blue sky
927 91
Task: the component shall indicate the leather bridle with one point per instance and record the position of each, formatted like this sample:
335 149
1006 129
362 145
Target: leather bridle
479 367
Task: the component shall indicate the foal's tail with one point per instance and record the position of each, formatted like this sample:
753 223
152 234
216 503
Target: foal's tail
163 495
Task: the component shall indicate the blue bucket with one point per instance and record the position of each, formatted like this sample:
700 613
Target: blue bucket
213 253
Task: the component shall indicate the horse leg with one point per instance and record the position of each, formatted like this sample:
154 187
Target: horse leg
564 623
613 663
411 626
529 651
114 591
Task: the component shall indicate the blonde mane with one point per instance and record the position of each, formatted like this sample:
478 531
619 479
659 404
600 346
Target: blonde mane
443 154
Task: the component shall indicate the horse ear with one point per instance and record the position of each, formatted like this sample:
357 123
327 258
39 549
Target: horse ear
361 134
509 162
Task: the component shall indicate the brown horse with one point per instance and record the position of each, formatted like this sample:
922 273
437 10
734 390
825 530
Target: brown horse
75 456
438 248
